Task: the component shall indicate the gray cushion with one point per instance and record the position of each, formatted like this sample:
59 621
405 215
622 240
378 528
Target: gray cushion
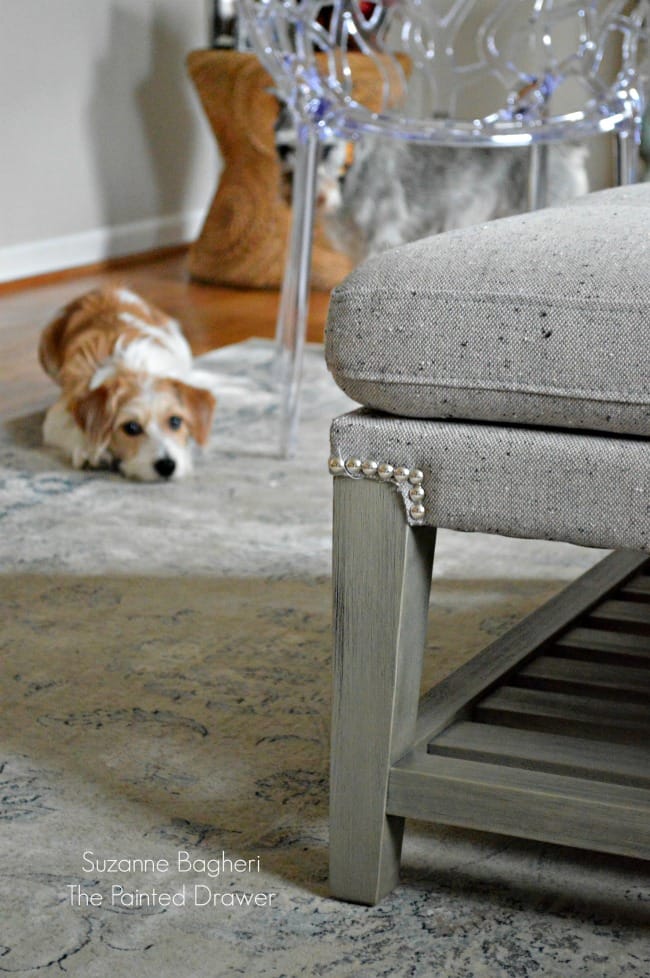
589 489
538 319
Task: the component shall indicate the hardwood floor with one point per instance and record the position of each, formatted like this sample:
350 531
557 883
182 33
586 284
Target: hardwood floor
211 317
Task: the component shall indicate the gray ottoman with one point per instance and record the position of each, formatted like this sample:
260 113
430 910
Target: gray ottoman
504 373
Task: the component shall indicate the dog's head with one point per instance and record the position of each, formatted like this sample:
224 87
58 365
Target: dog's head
144 425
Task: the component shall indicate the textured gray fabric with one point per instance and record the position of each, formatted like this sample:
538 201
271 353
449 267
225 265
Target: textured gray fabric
537 319
589 489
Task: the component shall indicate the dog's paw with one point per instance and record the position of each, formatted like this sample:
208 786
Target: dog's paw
80 458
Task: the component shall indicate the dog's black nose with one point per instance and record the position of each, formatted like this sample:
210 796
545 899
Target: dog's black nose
165 467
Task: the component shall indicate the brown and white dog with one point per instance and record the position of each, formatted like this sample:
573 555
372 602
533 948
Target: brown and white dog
130 396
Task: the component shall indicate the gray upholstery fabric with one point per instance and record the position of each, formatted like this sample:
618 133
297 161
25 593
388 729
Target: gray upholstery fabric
589 489
539 319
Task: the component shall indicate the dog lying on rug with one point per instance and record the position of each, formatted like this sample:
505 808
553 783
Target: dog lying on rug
130 397
395 191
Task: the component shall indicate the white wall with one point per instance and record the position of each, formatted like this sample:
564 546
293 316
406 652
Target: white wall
103 146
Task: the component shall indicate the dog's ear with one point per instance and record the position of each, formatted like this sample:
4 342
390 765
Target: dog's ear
51 347
93 414
200 404
58 333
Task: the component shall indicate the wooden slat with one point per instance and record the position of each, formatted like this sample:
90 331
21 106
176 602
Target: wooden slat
577 757
570 715
451 697
604 645
638 587
528 804
571 675
622 613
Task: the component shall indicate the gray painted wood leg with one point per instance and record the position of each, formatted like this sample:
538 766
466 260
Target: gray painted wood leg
382 581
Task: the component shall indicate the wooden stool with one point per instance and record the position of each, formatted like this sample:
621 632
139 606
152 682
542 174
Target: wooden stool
243 241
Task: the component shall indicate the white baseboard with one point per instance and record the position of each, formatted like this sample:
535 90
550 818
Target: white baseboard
72 250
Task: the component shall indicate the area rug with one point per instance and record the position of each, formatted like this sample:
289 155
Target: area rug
164 731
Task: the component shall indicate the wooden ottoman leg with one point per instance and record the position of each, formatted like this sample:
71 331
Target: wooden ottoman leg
382 581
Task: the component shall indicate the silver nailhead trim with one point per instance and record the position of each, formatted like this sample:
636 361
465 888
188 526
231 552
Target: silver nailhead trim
398 475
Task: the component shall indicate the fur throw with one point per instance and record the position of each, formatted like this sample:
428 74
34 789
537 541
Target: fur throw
395 191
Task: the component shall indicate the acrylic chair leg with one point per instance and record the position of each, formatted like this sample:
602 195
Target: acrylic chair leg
382 582
294 303
627 156
538 176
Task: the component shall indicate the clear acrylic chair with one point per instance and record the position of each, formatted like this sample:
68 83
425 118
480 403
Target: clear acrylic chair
474 73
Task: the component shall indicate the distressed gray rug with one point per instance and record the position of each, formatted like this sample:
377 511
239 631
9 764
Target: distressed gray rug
164 731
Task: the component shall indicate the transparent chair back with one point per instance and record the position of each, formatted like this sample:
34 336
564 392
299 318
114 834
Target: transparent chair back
448 72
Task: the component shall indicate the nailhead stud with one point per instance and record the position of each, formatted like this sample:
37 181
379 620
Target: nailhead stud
397 474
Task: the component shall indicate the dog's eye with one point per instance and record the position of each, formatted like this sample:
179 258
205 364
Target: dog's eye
175 422
132 428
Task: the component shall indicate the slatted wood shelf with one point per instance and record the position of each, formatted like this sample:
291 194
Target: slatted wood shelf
547 733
